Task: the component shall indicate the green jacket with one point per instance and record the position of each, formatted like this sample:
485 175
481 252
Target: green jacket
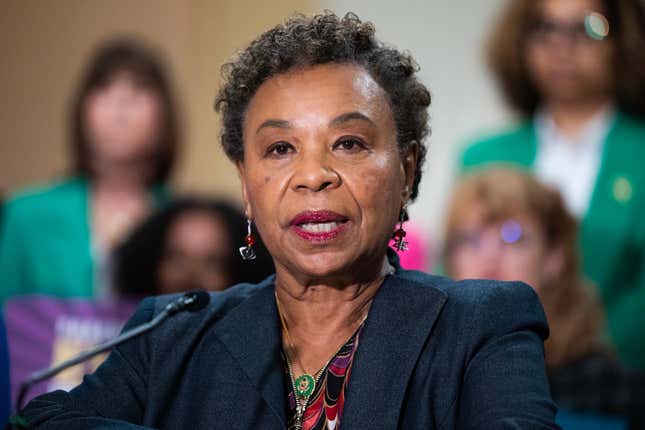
612 233
45 245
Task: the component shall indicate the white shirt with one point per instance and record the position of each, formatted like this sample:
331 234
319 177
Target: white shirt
571 163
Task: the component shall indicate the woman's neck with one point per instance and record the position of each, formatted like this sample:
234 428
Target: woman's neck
119 201
571 117
121 176
321 316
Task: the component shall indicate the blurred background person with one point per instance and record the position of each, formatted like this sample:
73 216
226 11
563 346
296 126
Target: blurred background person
575 71
504 224
192 243
57 239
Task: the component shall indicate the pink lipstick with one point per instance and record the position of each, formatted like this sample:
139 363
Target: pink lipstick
319 226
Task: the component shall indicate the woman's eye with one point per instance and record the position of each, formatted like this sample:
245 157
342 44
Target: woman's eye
279 149
349 144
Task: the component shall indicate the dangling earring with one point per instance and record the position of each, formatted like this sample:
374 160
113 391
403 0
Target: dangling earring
399 234
247 252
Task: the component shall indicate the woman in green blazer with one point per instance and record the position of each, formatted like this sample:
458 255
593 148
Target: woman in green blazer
577 80
57 239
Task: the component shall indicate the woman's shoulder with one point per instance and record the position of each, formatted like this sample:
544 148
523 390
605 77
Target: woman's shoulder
491 305
181 332
631 123
30 212
495 146
626 139
221 302
44 196
473 291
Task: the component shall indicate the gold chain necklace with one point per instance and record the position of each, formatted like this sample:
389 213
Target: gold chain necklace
305 384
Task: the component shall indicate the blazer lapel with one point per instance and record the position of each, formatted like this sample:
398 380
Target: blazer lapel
399 323
618 178
251 333
523 151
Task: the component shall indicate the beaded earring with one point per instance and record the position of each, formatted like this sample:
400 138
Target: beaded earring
400 244
247 252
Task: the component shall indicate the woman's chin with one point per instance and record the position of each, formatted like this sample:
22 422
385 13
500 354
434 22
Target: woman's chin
323 265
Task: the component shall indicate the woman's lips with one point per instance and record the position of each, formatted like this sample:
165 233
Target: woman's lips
319 226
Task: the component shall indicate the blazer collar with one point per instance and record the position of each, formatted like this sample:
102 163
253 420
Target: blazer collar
251 333
398 325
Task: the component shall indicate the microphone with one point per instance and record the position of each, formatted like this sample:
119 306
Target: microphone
191 301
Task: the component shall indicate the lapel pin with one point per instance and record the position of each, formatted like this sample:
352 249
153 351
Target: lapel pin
622 190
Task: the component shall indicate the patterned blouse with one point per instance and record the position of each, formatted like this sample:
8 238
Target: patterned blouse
325 406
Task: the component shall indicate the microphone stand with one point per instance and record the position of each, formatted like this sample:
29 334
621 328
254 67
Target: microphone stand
192 301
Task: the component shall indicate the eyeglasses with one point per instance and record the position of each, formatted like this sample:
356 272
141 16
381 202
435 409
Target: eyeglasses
510 235
594 26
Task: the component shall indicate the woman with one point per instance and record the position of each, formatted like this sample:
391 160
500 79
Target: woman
189 244
575 72
504 224
57 239
326 126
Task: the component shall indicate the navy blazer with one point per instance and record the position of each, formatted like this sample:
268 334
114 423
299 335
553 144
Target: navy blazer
434 354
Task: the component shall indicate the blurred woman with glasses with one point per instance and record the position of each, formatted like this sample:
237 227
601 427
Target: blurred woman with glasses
574 70
504 224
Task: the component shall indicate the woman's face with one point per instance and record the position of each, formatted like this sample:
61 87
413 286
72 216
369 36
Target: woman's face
196 254
122 119
322 175
564 62
510 250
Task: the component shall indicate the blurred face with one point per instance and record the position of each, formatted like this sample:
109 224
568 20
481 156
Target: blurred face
510 250
196 254
322 175
122 119
564 61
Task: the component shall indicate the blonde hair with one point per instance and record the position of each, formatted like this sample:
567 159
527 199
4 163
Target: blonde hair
573 310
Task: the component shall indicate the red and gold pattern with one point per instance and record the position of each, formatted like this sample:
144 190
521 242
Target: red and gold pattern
325 406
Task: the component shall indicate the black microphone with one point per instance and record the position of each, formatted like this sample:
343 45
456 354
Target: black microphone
192 301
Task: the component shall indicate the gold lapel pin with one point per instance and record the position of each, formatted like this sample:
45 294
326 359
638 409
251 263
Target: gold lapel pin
622 190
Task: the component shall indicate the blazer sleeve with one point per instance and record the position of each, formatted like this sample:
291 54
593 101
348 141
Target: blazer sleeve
505 383
112 397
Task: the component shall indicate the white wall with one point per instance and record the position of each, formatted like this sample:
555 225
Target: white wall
446 39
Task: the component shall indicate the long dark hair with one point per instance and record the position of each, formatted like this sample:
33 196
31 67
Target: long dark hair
507 44
145 64
138 259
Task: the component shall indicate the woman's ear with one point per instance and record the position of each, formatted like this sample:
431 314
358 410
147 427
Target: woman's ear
241 172
409 161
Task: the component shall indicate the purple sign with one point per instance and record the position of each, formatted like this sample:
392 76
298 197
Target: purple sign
43 331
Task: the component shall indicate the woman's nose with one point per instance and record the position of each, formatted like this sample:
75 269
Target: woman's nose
315 172
121 94
491 246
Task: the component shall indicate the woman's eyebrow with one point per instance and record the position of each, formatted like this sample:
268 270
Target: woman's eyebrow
336 122
274 123
350 116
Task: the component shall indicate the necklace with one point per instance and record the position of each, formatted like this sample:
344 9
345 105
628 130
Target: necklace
304 385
